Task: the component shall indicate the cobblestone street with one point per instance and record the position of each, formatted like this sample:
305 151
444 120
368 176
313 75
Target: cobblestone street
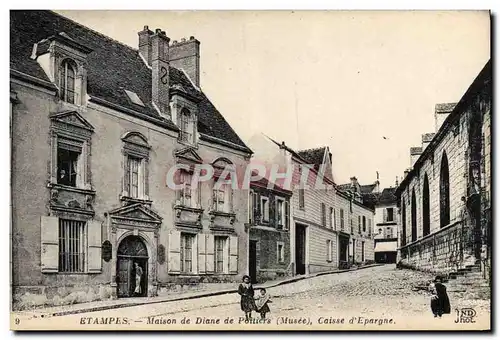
381 293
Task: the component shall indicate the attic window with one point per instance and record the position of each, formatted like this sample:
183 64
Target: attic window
134 98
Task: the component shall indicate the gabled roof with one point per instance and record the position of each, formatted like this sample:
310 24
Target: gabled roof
366 189
112 68
313 156
387 196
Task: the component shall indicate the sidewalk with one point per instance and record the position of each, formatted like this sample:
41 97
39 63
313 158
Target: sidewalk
96 306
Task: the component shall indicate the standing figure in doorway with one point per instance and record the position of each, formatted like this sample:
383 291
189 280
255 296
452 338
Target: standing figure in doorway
247 297
138 277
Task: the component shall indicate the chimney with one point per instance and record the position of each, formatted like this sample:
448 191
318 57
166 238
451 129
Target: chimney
354 183
407 171
415 153
397 182
145 44
426 139
185 55
160 72
441 112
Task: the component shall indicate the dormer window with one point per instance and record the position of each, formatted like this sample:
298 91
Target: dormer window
67 79
186 126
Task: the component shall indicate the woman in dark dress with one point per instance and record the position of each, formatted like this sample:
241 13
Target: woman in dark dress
247 297
440 303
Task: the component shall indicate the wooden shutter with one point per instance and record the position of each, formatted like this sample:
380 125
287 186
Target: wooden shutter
250 206
126 176
287 215
50 244
94 231
233 254
384 215
323 214
210 254
202 250
174 252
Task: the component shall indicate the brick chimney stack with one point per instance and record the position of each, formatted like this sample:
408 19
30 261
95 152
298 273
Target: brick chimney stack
160 72
145 44
185 55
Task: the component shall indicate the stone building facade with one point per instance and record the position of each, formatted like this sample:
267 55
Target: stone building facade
96 128
269 220
444 198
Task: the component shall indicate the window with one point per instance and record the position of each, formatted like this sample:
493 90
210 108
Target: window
380 230
323 214
390 215
220 254
331 217
264 208
403 223
426 215
359 224
280 212
301 199
186 126
280 252
334 219
369 227
71 246
329 250
136 160
352 225
186 192
364 224
187 241
67 166
67 81
413 216
135 176
389 232
444 192
221 193
134 98
342 219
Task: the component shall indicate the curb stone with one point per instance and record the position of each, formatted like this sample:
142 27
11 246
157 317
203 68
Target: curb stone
200 295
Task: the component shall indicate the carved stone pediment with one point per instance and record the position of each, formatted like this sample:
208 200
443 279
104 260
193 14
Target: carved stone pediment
64 198
71 119
188 154
137 215
188 217
222 220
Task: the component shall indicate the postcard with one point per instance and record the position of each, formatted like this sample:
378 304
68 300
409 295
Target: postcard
250 170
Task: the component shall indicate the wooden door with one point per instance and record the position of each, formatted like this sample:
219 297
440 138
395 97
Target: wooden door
252 271
124 277
300 250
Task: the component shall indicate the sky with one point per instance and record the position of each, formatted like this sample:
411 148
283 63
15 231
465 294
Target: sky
326 78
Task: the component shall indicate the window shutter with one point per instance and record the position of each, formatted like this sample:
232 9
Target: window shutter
250 206
202 250
233 254
334 219
94 231
50 244
174 252
126 177
287 215
257 209
385 215
210 254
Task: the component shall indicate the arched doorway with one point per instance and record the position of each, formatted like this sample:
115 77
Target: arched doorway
131 250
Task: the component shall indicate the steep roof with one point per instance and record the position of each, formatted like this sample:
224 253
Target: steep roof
313 156
112 67
366 189
387 196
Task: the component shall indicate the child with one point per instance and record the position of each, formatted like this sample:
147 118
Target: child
247 297
440 303
261 302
